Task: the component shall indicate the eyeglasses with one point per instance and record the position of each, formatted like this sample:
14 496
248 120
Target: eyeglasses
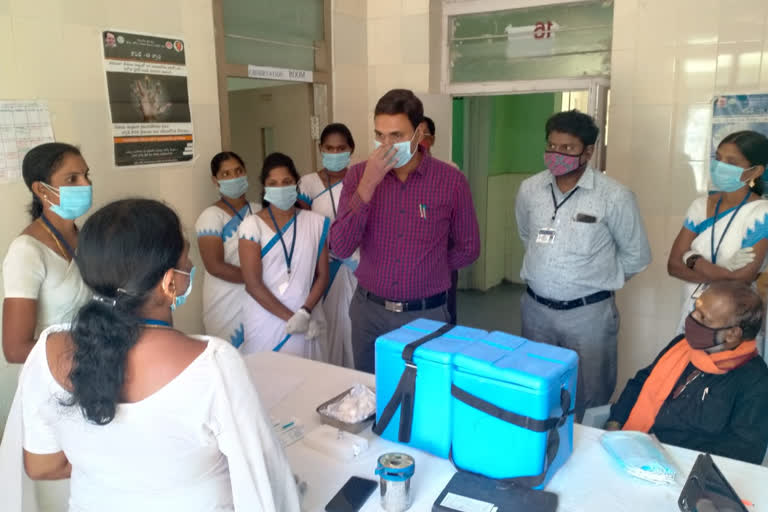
391 139
571 149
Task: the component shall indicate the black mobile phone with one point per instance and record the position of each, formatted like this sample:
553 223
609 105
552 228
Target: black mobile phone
352 496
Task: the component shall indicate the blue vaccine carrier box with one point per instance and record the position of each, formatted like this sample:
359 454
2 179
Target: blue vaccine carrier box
512 405
426 423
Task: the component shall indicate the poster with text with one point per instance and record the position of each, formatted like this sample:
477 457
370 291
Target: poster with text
148 98
738 112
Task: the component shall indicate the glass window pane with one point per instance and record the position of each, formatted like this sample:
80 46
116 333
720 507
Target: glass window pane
560 41
296 24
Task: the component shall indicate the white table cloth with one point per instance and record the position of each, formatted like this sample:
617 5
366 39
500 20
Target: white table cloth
293 387
588 482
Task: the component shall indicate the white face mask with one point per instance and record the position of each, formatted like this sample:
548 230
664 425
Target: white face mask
404 154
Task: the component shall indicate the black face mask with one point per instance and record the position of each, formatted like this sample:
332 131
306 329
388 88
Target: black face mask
701 337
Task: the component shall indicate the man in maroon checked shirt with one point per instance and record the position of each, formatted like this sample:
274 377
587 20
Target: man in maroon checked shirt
412 217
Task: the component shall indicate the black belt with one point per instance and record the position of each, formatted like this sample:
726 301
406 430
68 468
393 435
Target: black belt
432 302
570 304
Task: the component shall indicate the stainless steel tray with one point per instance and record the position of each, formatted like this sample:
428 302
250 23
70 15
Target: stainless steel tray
353 428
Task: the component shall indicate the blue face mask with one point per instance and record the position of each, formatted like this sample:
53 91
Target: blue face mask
403 155
726 177
282 197
234 188
335 162
73 201
181 299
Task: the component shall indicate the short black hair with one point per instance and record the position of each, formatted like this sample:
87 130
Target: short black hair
222 157
273 161
340 129
39 164
401 101
430 125
747 306
574 123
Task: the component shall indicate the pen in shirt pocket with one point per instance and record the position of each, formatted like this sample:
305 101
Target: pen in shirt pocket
423 211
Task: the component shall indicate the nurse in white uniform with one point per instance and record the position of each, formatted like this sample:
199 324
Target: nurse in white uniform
320 192
284 257
141 416
223 288
41 281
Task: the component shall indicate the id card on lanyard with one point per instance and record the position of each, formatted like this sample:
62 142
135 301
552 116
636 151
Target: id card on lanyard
714 250
282 286
546 235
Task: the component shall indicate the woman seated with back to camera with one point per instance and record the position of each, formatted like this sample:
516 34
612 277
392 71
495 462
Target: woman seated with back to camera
141 415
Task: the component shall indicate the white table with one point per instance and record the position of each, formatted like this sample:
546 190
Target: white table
294 387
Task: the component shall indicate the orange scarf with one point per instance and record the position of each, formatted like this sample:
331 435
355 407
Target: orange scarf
668 370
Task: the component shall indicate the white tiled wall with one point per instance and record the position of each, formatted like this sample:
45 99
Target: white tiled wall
51 50
398 46
377 46
350 71
669 59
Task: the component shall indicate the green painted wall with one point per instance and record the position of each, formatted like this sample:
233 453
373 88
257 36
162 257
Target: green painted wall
499 141
457 135
517 132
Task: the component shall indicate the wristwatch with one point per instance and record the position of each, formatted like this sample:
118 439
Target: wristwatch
691 261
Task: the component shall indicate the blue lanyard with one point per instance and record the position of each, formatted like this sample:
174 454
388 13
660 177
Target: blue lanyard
59 237
717 211
235 210
288 257
330 193
153 321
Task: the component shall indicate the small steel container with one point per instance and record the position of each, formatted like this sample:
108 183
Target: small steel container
395 471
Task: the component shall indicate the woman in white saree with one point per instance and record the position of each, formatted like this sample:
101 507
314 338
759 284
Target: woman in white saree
284 260
320 192
725 234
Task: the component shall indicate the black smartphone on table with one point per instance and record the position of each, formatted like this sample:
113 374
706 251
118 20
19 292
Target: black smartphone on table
352 496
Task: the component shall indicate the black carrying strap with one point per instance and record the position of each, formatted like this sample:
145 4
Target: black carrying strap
550 426
405 393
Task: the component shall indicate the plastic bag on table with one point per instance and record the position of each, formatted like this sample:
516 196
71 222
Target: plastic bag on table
356 406
640 455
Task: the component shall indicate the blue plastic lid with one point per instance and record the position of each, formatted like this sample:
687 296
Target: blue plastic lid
396 467
512 359
440 349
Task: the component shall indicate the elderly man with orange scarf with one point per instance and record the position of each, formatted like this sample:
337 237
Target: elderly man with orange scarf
708 389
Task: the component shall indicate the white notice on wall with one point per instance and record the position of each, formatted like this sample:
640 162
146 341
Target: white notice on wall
285 74
23 125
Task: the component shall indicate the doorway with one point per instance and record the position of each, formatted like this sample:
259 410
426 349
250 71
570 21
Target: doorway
274 78
499 141
266 116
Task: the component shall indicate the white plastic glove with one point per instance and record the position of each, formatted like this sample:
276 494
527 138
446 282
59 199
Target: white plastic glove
298 323
740 259
315 330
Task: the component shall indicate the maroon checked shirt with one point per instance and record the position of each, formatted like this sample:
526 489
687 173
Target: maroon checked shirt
411 235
